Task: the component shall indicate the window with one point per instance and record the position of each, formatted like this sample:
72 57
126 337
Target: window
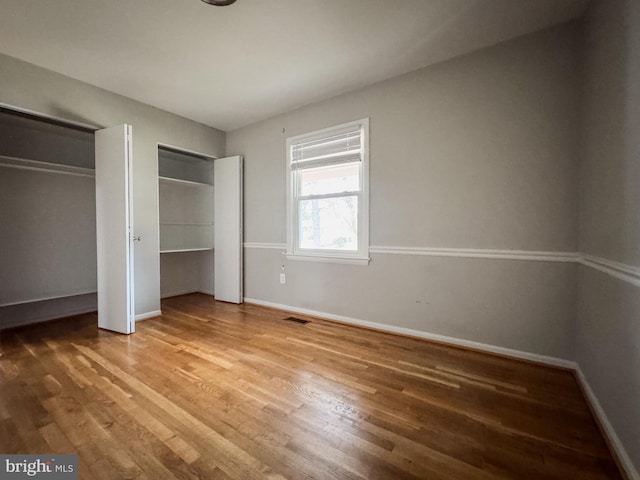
328 201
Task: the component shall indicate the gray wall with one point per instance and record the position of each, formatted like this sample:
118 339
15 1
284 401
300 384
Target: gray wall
34 88
48 240
186 272
478 152
610 173
608 320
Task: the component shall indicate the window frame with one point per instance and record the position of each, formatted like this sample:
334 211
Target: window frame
361 255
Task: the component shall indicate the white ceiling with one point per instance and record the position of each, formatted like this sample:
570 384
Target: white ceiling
230 66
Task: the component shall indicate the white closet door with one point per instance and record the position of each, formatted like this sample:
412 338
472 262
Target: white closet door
227 189
114 222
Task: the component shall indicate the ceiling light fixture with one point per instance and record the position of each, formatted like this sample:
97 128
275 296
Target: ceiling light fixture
219 3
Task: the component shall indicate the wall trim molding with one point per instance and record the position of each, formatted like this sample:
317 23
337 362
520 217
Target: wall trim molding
148 315
605 424
621 271
264 245
535 255
533 357
545 256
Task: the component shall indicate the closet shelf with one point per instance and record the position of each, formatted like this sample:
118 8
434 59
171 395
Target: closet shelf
47 298
47 167
184 182
182 250
187 224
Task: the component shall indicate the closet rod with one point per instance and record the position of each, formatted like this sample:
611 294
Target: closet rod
38 166
47 170
43 117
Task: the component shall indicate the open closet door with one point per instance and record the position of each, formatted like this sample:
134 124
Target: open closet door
227 190
114 222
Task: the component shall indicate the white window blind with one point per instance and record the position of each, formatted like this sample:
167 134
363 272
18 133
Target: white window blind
343 146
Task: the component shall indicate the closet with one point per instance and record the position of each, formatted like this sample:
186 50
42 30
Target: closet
67 236
65 224
200 215
47 220
186 215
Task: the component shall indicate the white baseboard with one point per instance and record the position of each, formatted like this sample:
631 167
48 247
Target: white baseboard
547 360
147 315
610 432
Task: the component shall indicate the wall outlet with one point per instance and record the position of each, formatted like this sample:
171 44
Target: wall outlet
283 279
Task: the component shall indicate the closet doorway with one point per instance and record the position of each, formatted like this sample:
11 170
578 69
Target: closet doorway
47 219
200 215
65 224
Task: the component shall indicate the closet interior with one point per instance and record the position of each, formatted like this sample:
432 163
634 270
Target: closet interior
47 218
186 214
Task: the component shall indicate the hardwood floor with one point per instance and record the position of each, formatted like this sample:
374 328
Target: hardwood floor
220 391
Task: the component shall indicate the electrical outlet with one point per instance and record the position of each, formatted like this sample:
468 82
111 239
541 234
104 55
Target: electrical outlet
283 279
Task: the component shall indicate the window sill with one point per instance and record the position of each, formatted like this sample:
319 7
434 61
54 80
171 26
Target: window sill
328 259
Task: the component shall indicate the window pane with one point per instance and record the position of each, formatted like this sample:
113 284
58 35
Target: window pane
328 223
331 179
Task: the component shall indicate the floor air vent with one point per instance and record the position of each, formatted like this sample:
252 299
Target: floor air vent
297 320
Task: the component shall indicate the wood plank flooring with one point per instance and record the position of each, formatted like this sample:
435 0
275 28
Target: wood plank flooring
219 391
